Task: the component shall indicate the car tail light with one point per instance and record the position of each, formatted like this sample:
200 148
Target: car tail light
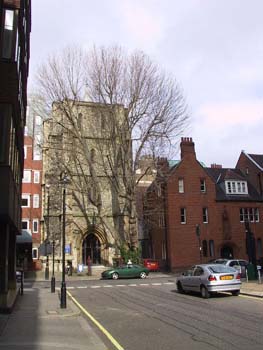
212 278
238 276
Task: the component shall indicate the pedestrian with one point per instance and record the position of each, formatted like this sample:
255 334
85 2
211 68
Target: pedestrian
129 263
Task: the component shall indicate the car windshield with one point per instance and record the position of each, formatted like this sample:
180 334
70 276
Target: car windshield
221 269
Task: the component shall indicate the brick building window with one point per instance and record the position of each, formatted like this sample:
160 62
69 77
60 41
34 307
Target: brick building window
202 185
181 185
249 214
236 187
27 176
25 200
25 224
183 215
35 225
36 177
205 215
34 253
36 201
211 248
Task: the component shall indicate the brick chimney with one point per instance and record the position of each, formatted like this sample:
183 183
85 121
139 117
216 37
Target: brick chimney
216 166
187 147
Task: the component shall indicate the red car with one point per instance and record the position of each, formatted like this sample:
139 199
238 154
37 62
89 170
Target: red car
151 264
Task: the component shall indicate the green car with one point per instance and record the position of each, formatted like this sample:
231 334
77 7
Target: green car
126 271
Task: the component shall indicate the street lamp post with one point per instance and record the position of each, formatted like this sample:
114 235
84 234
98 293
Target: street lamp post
53 280
63 298
46 243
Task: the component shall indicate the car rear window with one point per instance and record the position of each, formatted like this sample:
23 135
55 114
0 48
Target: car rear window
221 269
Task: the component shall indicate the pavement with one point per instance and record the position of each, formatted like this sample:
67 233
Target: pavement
38 323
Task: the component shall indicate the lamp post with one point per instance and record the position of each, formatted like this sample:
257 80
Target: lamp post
53 280
46 243
63 297
198 234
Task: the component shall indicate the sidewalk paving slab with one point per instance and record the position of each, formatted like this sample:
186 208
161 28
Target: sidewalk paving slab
38 323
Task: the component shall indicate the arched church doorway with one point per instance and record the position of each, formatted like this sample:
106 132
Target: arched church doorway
227 252
91 248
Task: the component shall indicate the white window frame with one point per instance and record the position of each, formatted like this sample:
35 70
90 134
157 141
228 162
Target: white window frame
35 250
26 196
25 152
181 185
27 176
183 216
36 177
205 215
250 214
36 201
35 221
202 185
28 223
236 187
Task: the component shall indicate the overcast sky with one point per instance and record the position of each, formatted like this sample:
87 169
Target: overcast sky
214 48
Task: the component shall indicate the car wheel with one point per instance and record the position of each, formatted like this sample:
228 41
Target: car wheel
235 293
115 276
204 292
143 274
180 288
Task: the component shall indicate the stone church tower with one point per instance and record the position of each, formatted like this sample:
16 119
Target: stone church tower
87 151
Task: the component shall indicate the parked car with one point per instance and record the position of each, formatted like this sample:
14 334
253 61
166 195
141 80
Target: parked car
126 271
239 264
151 264
209 278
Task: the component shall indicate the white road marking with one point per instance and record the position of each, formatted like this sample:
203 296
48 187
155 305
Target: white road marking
112 286
29 289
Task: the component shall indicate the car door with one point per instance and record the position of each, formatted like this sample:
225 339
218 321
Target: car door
196 280
186 279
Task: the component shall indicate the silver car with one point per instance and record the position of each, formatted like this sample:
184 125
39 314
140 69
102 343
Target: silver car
210 278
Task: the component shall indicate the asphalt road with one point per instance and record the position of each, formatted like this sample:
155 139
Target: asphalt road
150 315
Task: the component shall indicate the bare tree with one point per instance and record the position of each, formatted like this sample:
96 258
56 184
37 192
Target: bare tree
141 111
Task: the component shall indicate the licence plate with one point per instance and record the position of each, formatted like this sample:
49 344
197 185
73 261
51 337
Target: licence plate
226 277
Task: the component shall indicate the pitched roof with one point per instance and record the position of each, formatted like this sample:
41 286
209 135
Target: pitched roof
258 158
220 175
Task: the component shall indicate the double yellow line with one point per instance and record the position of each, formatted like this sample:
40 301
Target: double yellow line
103 330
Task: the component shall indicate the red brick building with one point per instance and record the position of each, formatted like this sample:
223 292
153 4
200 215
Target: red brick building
195 213
28 243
